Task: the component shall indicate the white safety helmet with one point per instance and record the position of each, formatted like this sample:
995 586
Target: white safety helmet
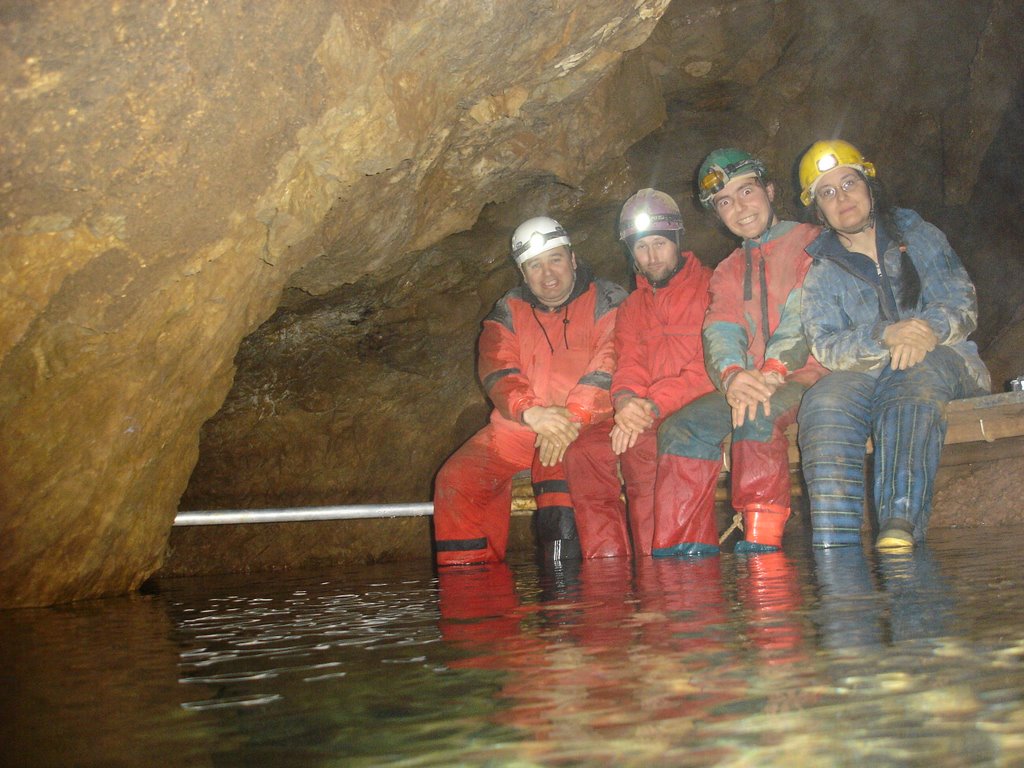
536 235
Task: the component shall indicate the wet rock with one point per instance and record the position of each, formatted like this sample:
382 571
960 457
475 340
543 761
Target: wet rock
173 175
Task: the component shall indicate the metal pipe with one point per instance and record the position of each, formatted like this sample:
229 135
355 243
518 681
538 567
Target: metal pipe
302 514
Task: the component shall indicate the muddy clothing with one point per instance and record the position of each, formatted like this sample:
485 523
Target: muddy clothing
529 355
753 323
754 316
848 303
660 358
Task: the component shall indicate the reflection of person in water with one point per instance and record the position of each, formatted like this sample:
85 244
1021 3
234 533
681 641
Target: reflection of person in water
771 594
912 601
559 656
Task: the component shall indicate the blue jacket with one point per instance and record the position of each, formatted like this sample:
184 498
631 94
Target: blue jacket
847 304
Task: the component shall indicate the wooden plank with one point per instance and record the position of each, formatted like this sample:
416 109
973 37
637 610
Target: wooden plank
983 428
988 418
978 452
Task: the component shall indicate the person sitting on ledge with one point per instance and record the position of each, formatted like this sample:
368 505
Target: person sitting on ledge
545 360
887 307
757 357
659 368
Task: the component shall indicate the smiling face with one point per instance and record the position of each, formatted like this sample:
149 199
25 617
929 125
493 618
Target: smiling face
656 257
745 207
551 275
844 200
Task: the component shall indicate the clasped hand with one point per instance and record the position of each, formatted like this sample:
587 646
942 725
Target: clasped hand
555 430
747 390
909 341
633 416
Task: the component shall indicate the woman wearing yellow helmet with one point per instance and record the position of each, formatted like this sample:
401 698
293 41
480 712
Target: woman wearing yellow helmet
887 307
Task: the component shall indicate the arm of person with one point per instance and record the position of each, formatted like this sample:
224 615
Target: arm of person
725 337
949 297
834 340
590 399
500 368
787 350
632 375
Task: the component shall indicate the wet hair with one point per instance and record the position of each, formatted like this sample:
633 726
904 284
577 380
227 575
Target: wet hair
885 215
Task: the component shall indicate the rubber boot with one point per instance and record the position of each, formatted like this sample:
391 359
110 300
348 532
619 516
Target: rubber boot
896 535
763 525
684 507
555 519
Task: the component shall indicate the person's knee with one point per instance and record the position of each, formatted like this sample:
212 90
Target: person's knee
678 434
819 400
760 430
901 392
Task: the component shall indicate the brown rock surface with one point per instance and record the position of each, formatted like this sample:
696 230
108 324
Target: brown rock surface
173 173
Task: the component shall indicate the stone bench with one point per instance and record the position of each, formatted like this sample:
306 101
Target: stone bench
978 429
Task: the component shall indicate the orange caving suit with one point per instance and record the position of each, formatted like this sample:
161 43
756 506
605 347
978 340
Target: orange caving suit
529 355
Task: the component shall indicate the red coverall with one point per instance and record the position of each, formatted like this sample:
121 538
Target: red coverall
528 355
660 358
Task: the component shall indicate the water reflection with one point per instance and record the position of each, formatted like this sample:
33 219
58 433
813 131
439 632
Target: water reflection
836 657
901 596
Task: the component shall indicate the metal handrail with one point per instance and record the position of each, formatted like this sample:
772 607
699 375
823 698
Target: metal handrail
302 514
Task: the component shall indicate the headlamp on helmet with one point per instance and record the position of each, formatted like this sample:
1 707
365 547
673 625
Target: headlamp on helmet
825 156
722 166
535 236
649 211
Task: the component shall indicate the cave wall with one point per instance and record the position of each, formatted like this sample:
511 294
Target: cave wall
285 221
167 167
359 395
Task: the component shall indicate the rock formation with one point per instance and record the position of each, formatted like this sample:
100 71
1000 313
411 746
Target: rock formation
319 195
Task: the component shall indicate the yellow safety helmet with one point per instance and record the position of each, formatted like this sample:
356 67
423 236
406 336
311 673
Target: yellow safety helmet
822 157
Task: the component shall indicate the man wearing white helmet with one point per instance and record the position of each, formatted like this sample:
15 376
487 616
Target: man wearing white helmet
545 360
660 368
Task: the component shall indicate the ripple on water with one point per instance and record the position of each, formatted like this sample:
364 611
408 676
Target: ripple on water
804 658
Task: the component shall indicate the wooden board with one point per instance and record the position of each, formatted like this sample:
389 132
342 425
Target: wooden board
979 429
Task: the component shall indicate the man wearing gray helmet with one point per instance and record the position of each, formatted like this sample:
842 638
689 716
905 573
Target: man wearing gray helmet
659 369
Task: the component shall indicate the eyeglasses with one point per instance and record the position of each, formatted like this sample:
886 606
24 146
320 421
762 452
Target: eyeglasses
829 193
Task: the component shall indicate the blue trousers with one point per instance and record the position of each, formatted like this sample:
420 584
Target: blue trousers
902 412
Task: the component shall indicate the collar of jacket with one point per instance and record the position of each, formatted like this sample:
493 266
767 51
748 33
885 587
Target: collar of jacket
827 247
775 231
584 277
